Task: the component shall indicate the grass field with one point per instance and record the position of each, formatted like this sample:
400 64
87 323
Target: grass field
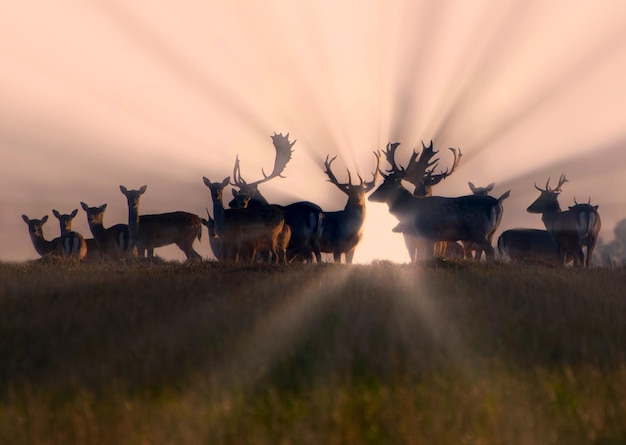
443 353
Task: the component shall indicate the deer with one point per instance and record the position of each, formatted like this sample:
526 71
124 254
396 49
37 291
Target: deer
420 172
304 218
68 245
484 191
589 213
343 229
65 226
434 218
216 243
147 232
569 229
527 245
113 242
244 231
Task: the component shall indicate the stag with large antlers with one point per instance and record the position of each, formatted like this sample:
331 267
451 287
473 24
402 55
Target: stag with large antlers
420 172
343 229
304 218
433 218
569 229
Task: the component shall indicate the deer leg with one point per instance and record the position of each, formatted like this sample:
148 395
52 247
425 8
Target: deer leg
337 257
349 256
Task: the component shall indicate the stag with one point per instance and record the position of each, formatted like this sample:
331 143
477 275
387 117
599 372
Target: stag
68 245
433 218
245 231
343 229
147 232
420 172
569 229
484 191
304 218
113 242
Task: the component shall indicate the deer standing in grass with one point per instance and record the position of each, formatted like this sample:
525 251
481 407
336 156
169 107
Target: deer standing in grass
484 191
434 218
527 245
216 243
147 232
245 231
343 229
570 229
113 242
420 172
65 226
66 246
305 219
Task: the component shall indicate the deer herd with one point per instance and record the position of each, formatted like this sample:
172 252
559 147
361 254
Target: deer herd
249 228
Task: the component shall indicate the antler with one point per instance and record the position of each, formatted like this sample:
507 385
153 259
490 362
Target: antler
283 156
432 179
331 176
390 154
367 186
562 180
420 168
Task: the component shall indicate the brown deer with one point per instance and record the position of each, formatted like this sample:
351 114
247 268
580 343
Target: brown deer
433 218
65 226
148 232
245 231
420 172
216 243
113 241
484 191
527 245
304 218
68 245
569 229
343 229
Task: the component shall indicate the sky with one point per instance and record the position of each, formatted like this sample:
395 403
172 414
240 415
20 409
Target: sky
98 94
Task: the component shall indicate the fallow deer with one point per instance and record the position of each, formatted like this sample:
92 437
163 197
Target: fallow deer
466 218
148 232
304 218
569 229
588 215
74 240
67 246
245 231
527 245
216 243
420 172
484 191
343 229
113 241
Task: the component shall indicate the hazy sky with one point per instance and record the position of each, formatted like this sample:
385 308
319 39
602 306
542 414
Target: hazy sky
98 94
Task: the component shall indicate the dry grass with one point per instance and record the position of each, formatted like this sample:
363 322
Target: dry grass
156 352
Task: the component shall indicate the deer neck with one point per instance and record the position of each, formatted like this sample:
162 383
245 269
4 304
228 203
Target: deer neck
42 245
550 215
355 207
400 201
97 229
218 213
133 224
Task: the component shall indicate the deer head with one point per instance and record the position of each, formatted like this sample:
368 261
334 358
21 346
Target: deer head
483 191
548 199
352 190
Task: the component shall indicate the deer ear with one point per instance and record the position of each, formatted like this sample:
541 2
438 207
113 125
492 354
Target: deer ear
226 181
143 189
25 218
471 186
490 186
55 213
44 219
123 189
234 193
74 213
103 207
84 206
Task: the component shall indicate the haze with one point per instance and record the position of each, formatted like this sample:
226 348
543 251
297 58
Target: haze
94 95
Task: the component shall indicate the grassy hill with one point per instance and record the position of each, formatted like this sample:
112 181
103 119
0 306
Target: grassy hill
445 352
